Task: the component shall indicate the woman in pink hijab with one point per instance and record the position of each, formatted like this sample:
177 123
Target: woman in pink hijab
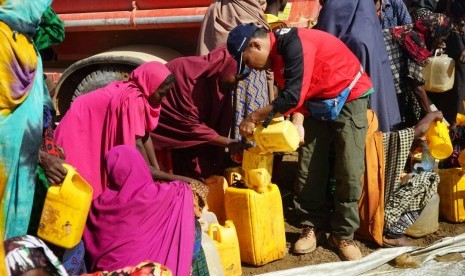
121 113
136 219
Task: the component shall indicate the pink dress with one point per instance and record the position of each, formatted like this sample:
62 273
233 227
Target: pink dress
136 219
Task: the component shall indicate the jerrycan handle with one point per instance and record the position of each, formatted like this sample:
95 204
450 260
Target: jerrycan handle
66 185
440 51
211 230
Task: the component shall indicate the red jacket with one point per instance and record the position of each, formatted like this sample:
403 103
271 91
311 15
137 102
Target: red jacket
311 64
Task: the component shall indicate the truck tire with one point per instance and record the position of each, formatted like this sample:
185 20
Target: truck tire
101 77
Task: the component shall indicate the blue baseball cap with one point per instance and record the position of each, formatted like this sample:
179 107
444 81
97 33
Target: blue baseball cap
238 39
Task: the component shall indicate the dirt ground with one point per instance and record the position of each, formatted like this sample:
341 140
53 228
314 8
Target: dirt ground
324 253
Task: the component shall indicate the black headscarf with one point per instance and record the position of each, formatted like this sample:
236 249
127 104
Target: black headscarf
422 4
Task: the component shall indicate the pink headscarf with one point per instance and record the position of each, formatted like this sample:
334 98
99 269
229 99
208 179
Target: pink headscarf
136 220
113 115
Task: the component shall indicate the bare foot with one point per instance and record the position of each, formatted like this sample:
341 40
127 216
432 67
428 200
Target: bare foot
422 127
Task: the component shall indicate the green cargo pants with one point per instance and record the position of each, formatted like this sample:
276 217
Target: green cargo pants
347 135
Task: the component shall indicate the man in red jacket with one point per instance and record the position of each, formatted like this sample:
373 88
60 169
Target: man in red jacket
325 88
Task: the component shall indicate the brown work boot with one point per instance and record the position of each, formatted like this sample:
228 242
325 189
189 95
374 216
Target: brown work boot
348 249
306 242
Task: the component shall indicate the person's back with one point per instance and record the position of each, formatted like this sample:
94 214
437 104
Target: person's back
149 220
95 104
332 69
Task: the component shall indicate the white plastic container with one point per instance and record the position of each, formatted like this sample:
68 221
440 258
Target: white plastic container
439 73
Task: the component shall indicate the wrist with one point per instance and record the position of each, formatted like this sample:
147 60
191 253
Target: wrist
230 142
42 155
252 118
297 118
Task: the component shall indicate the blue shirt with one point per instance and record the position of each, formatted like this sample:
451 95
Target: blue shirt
394 13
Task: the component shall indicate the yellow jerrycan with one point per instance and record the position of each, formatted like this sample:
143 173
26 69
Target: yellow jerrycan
225 239
451 190
65 210
259 222
279 136
439 143
257 169
439 73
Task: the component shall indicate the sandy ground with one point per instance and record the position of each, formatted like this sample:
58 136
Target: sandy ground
324 253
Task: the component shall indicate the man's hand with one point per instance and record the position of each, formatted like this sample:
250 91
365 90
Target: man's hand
247 127
53 167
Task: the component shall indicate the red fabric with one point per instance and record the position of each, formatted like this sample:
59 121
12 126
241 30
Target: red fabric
48 144
196 110
329 68
113 115
164 160
413 43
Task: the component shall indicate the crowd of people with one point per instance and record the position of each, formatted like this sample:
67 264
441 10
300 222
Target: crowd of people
352 85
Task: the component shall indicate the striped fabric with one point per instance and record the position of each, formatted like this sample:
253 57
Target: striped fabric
251 94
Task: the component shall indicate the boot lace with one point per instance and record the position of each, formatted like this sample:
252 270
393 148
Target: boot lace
345 243
307 232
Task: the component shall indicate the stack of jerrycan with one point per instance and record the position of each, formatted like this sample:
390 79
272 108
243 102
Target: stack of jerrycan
224 237
451 188
257 211
65 210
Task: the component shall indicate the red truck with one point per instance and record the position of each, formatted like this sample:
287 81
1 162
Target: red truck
105 40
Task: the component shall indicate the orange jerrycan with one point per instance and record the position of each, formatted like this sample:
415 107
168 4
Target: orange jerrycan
259 221
65 210
225 239
215 199
233 175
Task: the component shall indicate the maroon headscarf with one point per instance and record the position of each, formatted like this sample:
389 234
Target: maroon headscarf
196 111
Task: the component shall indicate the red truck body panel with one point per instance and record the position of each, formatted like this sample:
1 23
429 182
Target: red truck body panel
94 26
86 6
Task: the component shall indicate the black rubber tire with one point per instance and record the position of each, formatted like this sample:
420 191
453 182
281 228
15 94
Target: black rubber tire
99 78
